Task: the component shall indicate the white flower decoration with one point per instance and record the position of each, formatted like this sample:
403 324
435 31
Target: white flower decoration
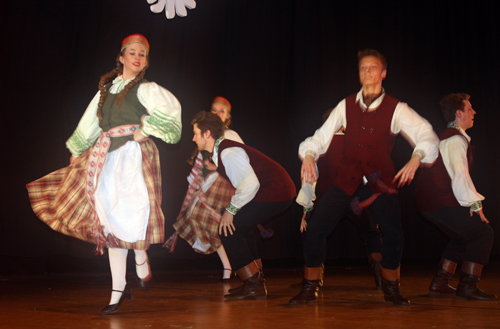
169 5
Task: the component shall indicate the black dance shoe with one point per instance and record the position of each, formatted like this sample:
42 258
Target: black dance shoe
226 280
126 293
142 283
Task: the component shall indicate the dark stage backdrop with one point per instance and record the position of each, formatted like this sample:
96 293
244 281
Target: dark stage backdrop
282 64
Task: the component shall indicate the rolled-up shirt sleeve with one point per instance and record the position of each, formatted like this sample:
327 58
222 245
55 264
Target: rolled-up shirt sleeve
317 144
417 130
454 153
242 177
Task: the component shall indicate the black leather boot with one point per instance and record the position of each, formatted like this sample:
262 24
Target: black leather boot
392 293
310 285
440 283
234 290
469 278
300 284
308 292
258 262
376 269
254 285
390 287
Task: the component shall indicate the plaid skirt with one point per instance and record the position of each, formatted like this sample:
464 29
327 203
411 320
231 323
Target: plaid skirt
200 223
59 200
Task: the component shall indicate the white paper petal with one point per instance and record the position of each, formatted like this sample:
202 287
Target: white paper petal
191 4
158 7
170 9
180 8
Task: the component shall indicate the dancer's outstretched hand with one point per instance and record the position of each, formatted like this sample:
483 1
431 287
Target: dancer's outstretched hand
407 173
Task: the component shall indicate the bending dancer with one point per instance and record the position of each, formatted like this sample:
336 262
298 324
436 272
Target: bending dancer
372 119
110 194
263 189
196 223
447 197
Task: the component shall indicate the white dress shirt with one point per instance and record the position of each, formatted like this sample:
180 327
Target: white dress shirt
240 174
454 153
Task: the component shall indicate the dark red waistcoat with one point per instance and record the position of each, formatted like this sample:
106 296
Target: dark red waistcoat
275 183
368 143
434 189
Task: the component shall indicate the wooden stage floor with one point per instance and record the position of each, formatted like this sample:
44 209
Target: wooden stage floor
190 298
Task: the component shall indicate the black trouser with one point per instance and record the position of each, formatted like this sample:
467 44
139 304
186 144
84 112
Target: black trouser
471 239
367 230
335 204
240 247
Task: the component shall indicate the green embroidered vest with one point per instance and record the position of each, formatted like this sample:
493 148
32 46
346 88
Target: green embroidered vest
130 112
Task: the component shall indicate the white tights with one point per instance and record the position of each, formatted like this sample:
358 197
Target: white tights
118 265
225 262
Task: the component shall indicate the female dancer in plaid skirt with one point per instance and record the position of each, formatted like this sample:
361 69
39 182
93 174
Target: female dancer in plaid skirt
110 194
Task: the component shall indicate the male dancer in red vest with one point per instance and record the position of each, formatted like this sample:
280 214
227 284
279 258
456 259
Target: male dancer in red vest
372 119
366 227
263 189
447 197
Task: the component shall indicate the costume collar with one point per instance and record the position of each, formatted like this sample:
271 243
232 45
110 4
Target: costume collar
215 157
119 84
375 104
452 124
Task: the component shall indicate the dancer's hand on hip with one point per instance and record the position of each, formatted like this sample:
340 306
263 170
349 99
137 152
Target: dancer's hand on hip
138 136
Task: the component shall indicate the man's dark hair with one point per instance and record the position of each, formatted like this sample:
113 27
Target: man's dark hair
209 121
451 103
374 53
